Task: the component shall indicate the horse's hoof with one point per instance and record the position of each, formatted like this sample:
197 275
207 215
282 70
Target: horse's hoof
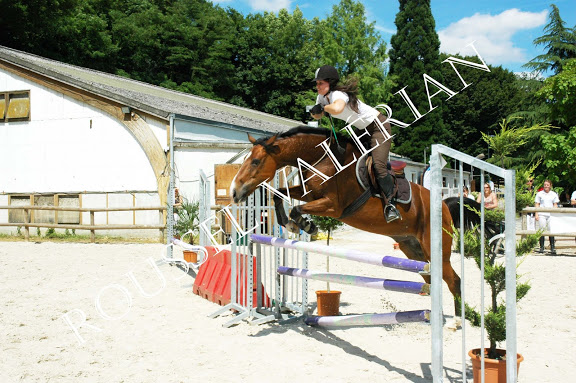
454 324
292 227
313 230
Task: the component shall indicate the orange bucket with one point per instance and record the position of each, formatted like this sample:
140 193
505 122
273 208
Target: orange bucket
328 302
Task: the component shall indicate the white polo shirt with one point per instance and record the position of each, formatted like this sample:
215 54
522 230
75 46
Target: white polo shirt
546 199
361 120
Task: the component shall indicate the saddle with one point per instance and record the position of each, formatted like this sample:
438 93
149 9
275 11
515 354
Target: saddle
366 176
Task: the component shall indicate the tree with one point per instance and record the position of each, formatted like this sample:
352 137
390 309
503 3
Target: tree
531 108
559 42
491 97
508 140
274 63
355 48
414 53
560 158
559 92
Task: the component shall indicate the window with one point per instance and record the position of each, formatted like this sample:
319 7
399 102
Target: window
17 215
46 216
15 106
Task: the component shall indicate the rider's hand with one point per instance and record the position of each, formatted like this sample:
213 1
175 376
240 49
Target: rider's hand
317 109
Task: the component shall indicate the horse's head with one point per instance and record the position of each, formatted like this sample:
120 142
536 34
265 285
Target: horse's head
259 166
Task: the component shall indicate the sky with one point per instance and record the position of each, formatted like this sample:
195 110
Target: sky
502 30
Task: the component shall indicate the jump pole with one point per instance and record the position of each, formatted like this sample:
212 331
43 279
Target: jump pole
353 255
367 320
373 283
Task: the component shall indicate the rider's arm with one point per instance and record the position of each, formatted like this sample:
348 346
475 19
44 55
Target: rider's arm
336 107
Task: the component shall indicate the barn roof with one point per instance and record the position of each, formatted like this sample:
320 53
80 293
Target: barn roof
155 100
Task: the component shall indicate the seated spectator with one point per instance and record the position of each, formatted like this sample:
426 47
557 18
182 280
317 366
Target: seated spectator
490 199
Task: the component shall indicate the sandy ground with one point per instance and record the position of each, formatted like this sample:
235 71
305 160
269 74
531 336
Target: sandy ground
168 337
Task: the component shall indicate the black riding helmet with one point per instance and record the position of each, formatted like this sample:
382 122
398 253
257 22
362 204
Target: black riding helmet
326 72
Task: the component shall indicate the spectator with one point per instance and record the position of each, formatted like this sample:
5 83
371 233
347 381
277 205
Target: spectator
530 185
490 199
573 199
177 203
546 198
466 192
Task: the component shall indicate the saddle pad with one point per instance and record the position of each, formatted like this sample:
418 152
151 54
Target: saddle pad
403 194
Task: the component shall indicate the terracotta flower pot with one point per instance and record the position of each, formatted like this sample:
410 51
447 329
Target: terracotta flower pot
328 302
190 256
494 370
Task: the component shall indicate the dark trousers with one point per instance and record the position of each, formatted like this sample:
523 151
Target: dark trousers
380 154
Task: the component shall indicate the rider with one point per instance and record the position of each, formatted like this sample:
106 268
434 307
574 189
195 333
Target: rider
341 101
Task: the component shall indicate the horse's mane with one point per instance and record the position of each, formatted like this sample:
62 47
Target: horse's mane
305 129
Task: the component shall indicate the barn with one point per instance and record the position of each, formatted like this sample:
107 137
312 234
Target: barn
76 137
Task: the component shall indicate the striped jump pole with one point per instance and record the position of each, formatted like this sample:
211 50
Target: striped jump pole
353 255
366 320
373 283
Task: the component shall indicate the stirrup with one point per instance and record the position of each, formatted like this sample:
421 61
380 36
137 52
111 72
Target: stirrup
391 213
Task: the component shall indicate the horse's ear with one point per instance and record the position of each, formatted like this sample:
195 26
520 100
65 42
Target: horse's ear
271 140
251 139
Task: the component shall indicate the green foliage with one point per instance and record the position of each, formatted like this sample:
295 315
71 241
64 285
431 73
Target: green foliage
559 42
531 109
559 92
327 225
508 140
355 48
415 52
525 198
274 63
560 157
476 109
495 277
188 219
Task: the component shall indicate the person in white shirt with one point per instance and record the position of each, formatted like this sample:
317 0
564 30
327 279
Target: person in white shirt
573 198
341 101
546 198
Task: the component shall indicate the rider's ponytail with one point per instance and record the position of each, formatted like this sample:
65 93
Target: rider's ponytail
350 87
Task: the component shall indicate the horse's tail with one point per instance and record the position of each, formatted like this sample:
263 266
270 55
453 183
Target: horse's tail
471 216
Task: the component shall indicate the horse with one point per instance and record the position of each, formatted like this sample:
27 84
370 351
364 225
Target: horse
331 197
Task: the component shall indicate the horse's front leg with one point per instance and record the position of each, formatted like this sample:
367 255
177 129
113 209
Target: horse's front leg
322 206
295 193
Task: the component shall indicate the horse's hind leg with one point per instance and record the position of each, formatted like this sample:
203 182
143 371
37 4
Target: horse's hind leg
412 249
448 274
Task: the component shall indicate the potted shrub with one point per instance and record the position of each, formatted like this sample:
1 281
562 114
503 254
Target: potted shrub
328 301
495 317
187 225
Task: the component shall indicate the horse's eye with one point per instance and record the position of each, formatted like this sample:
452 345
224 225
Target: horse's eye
255 162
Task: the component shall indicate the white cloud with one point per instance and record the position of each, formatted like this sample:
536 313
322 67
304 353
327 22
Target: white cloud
269 5
389 31
493 35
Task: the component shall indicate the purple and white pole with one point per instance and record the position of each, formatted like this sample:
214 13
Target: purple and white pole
369 282
353 255
366 320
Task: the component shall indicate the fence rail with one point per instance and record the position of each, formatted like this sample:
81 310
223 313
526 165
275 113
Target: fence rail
91 227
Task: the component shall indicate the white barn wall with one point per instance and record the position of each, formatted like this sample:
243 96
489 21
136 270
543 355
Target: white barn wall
68 146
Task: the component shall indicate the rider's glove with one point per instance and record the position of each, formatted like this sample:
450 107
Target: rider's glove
317 109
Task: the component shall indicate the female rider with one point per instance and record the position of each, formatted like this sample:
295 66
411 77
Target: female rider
341 101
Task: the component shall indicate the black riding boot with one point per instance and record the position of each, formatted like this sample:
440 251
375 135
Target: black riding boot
387 187
552 245
541 245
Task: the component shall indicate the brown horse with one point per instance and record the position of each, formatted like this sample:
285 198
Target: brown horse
331 197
